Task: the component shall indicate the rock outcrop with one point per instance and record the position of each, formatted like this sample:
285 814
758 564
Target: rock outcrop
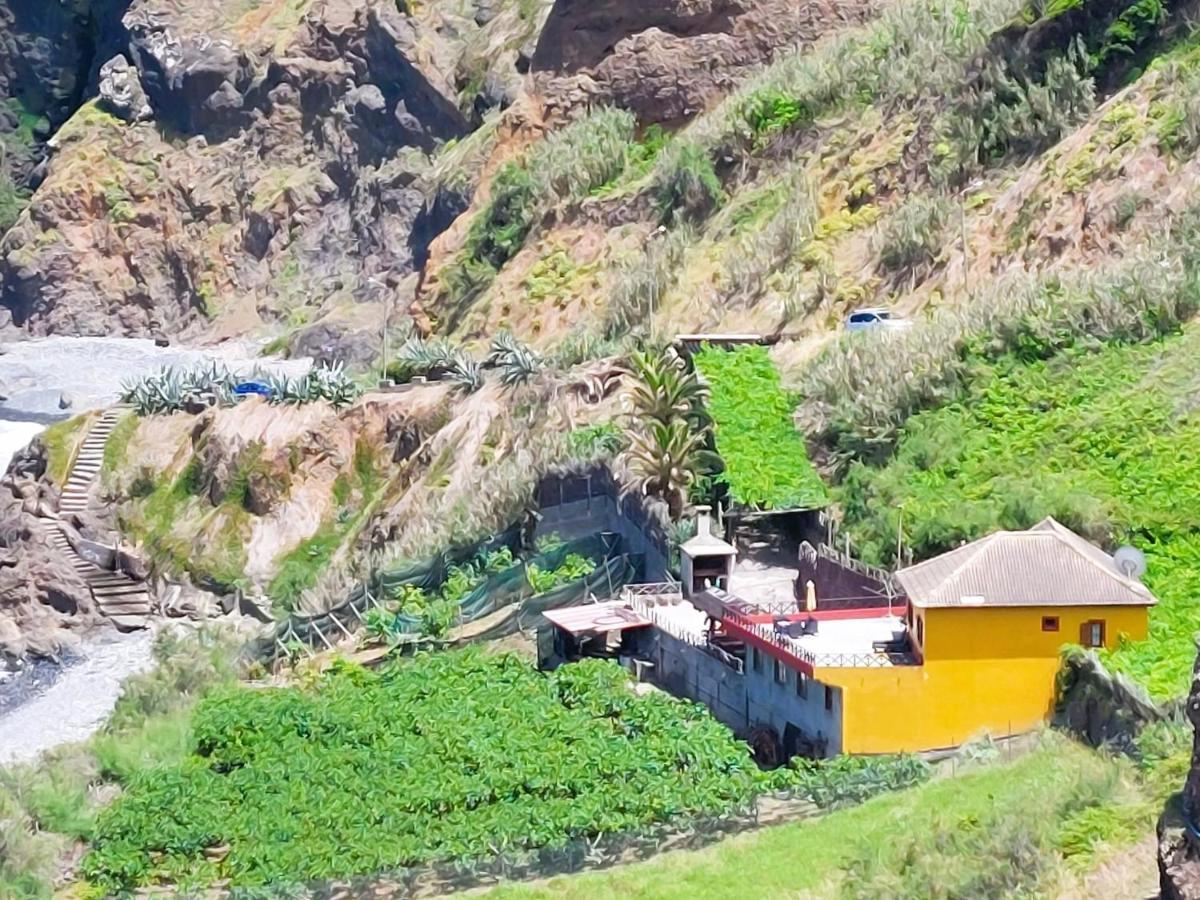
234 169
668 61
44 601
1178 838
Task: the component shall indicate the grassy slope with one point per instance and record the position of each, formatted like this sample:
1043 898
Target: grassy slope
1104 441
808 857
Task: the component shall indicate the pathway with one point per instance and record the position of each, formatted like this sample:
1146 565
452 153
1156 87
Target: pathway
123 600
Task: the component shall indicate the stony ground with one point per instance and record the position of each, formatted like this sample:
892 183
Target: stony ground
78 702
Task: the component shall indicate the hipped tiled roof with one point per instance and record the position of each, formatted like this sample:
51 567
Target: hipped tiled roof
1048 565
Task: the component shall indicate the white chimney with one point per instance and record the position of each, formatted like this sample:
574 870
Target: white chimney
703 521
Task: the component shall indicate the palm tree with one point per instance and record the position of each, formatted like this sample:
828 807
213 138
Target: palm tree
664 459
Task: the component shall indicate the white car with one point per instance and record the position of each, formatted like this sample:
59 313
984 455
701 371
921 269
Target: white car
876 317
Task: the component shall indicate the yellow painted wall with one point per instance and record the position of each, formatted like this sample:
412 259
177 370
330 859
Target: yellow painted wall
989 632
985 671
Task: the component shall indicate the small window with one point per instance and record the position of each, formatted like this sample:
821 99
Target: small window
780 673
757 658
921 630
1049 623
1091 633
829 698
801 684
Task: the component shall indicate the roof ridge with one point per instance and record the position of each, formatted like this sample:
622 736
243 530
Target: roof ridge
1111 571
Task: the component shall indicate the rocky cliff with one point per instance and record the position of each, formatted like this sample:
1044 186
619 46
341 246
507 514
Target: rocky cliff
232 165
1178 837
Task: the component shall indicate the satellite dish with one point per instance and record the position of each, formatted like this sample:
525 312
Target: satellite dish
1130 562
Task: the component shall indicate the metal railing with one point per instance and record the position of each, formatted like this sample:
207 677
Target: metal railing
652 589
808 660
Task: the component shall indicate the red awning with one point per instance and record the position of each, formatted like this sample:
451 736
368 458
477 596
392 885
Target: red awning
597 618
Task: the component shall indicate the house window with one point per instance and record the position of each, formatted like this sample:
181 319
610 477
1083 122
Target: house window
1091 633
1049 623
801 684
921 630
780 673
757 658
829 699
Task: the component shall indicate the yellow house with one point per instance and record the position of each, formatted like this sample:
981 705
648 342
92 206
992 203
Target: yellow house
975 649
987 622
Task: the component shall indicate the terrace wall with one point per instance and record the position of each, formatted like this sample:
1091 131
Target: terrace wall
576 504
745 700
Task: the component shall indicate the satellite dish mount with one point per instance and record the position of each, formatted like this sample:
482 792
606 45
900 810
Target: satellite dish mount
1130 562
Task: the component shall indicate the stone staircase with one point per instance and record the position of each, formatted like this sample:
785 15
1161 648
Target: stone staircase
120 598
87 464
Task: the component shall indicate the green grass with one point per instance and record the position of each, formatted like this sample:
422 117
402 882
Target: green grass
117 447
1103 441
353 493
766 464
61 440
894 837
45 807
168 514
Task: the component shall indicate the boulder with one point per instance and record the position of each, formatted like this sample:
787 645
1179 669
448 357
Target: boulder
121 91
44 602
30 461
669 60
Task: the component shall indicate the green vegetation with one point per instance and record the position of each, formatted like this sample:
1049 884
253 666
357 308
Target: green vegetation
593 442
45 808
986 833
573 568
62 440
667 432
857 394
561 169
497 758
1100 440
173 390
413 610
911 239
690 189
354 493
766 464
118 444
14 145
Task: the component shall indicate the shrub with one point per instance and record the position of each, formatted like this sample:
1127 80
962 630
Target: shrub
757 255
911 238
998 115
561 168
641 281
687 187
188 664
859 391
602 441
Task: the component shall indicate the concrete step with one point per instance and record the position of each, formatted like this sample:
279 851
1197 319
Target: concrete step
139 604
106 581
104 592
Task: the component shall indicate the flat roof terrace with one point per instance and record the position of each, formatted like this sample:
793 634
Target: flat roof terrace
863 638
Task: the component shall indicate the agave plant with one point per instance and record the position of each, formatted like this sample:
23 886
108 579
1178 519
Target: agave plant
466 374
418 356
